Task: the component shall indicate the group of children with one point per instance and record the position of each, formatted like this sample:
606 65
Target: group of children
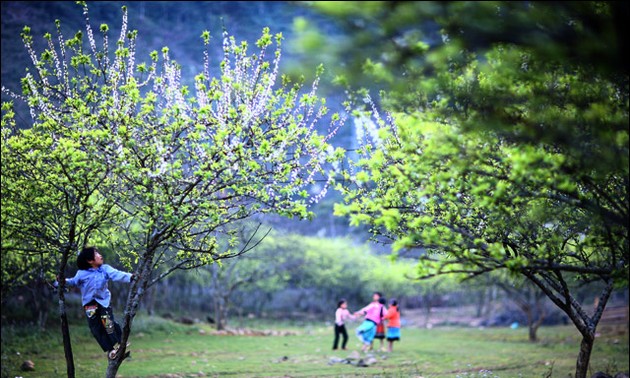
93 276
373 326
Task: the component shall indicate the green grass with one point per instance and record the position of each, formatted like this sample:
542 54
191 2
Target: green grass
164 349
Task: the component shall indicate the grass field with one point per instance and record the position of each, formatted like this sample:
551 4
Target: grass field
164 349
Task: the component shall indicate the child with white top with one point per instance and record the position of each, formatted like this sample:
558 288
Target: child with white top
341 315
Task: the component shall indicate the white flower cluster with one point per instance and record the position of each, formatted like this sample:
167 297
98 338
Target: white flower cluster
265 131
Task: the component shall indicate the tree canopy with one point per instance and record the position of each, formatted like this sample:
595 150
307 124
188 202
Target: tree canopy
179 165
500 153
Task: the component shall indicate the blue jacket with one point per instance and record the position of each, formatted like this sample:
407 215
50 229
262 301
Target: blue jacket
93 283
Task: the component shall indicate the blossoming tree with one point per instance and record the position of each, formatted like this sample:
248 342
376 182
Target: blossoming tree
185 163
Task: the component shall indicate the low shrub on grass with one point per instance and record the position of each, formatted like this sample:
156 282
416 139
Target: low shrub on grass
153 324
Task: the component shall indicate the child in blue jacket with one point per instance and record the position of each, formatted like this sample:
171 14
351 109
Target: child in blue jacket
92 278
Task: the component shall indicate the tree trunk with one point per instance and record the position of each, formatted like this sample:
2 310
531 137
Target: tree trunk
427 309
586 347
481 303
63 316
65 329
260 304
224 313
534 321
533 329
65 332
218 299
149 303
136 292
542 314
220 312
39 303
217 315
529 314
42 319
133 302
491 298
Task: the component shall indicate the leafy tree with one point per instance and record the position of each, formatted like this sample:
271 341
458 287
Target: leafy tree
511 147
185 166
391 277
317 271
52 197
266 269
530 300
337 267
385 39
479 199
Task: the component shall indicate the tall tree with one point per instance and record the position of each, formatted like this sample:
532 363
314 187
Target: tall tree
490 201
185 166
52 192
530 300
479 202
511 150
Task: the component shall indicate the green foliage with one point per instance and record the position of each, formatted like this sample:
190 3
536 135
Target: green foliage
184 165
329 268
508 154
127 150
436 179
52 191
406 36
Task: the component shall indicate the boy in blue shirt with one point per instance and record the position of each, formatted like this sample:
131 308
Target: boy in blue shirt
92 278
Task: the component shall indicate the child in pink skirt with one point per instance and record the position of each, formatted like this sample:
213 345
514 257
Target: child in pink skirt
373 316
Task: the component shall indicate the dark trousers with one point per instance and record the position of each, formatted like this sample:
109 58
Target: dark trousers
105 330
340 329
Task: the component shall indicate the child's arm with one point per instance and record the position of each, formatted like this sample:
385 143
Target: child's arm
117 275
74 281
362 311
346 315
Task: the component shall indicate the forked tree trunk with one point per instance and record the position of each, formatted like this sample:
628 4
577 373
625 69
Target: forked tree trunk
130 312
530 323
136 291
533 327
585 324
534 322
533 337
529 301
